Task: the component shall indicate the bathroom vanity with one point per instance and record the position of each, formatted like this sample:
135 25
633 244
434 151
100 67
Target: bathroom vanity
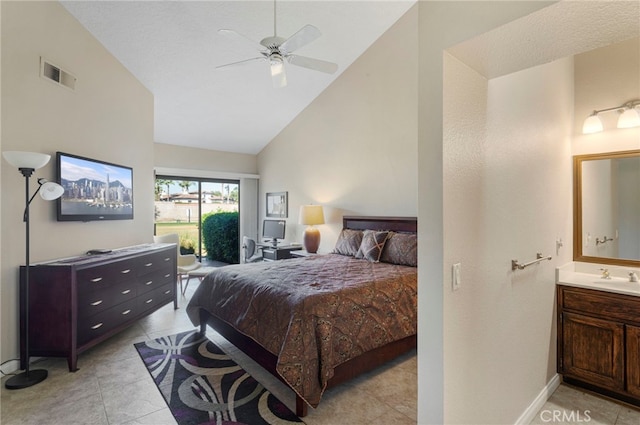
599 331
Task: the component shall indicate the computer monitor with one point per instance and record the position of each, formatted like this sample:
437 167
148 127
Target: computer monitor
274 230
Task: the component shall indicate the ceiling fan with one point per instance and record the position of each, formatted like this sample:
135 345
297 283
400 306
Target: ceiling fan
275 50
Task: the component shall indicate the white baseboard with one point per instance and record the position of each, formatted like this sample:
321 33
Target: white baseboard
535 406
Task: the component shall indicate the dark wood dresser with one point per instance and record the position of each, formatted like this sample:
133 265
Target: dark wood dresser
599 341
76 303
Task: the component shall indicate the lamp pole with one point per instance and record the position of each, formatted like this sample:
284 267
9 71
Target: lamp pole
28 377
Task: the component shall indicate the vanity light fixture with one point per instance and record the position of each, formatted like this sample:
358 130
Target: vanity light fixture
629 117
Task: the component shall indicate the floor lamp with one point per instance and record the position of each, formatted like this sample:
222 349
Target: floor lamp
27 163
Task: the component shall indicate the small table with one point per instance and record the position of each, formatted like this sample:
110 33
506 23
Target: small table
199 273
300 254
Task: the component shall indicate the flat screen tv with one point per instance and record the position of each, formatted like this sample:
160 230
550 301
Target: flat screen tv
93 189
274 230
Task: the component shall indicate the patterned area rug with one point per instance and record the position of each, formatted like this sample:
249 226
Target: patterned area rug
202 385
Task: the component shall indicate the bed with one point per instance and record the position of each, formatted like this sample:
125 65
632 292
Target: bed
317 321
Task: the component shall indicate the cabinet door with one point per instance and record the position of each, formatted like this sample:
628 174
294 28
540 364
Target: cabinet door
633 360
593 350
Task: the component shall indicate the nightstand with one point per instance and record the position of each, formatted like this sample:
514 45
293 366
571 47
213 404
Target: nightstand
300 254
282 252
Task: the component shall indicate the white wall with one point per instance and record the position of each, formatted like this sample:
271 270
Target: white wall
108 117
443 24
181 157
354 149
556 31
605 78
507 196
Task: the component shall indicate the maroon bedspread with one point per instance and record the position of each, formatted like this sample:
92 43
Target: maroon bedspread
314 313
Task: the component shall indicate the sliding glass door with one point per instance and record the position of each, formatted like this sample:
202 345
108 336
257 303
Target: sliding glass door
181 205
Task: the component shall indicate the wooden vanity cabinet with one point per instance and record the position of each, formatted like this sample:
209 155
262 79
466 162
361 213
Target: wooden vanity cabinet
633 360
599 341
76 303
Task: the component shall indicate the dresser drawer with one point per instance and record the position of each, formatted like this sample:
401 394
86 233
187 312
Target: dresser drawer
99 277
96 301
101 323
151 281
155 262
156 297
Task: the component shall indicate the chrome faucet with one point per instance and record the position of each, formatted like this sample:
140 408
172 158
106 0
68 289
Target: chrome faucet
605 274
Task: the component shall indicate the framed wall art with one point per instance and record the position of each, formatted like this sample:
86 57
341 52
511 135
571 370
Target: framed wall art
277 204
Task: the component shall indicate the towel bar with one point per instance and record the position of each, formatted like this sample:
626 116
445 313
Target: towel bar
539 257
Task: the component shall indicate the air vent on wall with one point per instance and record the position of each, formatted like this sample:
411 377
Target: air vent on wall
56 75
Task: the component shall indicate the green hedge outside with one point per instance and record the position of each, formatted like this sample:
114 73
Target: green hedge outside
220 236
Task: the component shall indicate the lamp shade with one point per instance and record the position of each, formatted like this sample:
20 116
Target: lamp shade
33 160
629 119
50 191
311 215
592 125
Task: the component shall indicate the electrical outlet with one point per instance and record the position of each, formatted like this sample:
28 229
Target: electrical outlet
455 277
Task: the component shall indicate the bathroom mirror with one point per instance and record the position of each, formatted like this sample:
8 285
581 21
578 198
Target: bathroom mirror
606 206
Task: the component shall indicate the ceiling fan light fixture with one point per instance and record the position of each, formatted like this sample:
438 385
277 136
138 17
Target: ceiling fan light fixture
278 75
277 64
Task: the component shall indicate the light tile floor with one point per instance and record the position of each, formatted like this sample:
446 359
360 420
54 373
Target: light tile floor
112 385
572 406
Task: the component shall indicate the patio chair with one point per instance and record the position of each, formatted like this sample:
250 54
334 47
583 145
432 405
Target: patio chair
186 262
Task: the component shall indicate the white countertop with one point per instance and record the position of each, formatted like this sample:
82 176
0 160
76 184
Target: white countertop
588 276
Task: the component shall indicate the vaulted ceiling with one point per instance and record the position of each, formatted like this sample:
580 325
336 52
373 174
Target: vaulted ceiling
174 47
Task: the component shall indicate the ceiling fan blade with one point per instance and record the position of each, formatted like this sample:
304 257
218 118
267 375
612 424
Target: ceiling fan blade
311 63
241 39
234 64
304 36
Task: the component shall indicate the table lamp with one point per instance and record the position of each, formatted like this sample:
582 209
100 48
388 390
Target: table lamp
311 215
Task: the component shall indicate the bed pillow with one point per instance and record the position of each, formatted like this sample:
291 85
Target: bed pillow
372 245
348 242
401 248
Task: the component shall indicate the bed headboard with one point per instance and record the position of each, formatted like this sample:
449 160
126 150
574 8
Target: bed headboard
398 224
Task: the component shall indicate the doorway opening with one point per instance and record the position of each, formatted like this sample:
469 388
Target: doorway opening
187 206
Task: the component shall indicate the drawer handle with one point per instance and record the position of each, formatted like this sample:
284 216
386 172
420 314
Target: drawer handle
95 303
168 291
126 291
94 327
148 301
148 283
167 259
126 312
148 265
96 280
125 271
167 275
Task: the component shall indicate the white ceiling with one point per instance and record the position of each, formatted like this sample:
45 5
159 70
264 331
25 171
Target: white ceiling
173 47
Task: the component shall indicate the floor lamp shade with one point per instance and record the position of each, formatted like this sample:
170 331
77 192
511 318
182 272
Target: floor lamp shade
33 160
27 163
311 215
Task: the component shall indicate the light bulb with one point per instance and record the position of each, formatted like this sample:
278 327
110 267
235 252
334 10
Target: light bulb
629 119
592 124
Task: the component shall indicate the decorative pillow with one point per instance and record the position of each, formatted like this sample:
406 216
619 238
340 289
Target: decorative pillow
372 245
348 242
401 248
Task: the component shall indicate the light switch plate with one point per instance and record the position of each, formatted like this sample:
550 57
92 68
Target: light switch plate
455 277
